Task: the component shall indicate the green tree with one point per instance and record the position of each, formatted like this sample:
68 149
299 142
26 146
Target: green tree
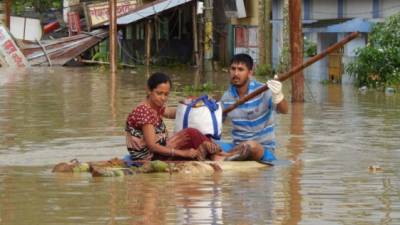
378 63
39 6
310 47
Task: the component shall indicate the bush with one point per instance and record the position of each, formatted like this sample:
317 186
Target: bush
193 90
377 65
264 70
310 48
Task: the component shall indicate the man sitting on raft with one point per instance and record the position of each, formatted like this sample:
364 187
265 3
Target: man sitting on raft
253 123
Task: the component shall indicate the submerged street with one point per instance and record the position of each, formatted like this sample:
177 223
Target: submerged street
344 144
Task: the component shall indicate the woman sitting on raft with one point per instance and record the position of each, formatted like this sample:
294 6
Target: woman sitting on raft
146 133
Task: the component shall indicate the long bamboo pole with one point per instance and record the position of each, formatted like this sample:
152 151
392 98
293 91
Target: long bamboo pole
208 36
112 5
148 42
294 70
195 37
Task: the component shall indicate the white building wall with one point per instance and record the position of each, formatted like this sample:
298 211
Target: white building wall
389 7
358 8
324 9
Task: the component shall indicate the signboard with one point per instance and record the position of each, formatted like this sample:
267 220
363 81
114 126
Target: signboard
98 13
25 28
9 51
70 6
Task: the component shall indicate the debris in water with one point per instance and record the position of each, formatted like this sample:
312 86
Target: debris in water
363 89
389 91
375 169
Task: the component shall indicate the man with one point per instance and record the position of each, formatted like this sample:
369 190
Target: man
253 123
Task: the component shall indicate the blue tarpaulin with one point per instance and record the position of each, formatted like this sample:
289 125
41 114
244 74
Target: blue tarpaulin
358 24
338 26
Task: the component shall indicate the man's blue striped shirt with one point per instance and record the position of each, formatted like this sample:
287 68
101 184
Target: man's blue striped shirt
253 120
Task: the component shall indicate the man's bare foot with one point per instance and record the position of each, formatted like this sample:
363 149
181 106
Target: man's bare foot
242 154
209 149
219 156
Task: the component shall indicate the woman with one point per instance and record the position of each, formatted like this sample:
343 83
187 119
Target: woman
146 133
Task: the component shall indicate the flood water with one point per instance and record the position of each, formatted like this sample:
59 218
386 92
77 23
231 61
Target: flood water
54 115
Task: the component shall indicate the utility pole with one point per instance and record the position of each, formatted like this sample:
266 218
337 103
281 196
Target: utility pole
208 35
7 12
296 49
112 5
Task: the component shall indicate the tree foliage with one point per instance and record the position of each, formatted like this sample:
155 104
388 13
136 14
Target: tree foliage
378 63
40 6
310 47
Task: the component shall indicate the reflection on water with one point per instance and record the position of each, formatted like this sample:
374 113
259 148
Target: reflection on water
53 115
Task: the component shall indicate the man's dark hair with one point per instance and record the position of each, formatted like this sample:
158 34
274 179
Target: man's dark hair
158 78
243 58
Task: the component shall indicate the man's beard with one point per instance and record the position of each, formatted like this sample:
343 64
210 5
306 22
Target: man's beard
240 83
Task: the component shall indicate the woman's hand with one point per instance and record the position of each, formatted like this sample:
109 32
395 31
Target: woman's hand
194 154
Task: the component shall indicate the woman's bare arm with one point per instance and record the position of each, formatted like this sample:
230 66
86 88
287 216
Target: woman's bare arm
150 140
170 112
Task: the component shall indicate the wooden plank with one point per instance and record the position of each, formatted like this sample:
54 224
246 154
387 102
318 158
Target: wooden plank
44 51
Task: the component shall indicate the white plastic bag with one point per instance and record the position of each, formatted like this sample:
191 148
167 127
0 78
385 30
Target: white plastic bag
207 117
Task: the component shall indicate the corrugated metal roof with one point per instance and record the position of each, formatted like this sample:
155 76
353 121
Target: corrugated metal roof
149 10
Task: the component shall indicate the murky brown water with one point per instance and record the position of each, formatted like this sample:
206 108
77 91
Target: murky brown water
53 115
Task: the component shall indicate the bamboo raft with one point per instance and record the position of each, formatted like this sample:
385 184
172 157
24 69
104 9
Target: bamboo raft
117 167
